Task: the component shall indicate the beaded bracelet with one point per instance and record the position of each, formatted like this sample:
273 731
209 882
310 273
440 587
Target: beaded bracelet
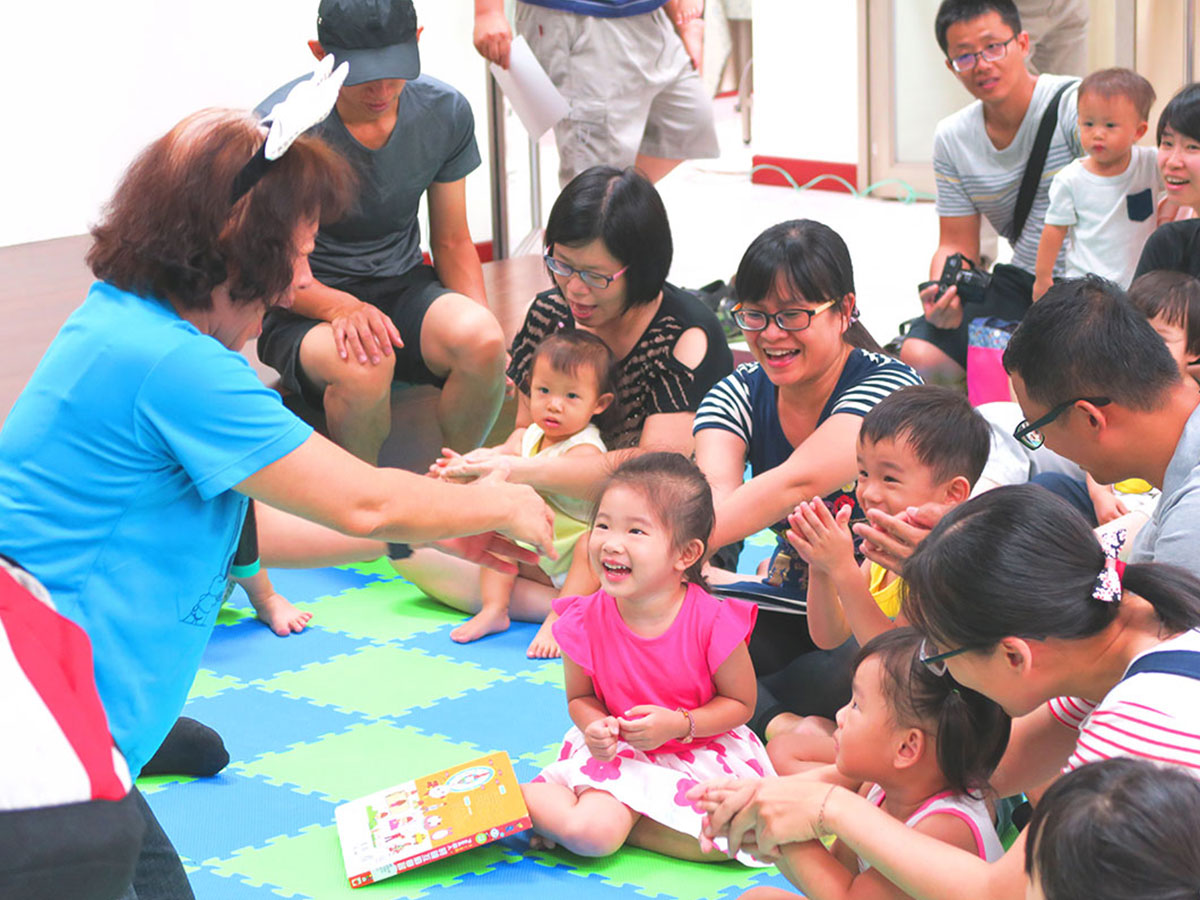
691 726
821 831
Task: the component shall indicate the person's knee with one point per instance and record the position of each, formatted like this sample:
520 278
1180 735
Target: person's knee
929 359
461 334
324 366
594 838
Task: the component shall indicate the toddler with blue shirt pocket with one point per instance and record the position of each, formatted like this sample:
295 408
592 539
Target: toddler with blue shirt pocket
1105 201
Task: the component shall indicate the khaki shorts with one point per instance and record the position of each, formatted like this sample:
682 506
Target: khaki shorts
631 87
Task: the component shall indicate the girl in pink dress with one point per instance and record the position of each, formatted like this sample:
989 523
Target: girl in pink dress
658 675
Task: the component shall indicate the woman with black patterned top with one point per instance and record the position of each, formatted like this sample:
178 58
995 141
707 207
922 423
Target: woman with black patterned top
608 250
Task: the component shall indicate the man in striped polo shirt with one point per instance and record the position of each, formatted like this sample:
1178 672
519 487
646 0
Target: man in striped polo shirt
979 158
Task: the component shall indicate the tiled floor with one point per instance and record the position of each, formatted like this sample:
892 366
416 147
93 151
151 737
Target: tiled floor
372 693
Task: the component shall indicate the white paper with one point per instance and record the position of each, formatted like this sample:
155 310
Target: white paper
534 98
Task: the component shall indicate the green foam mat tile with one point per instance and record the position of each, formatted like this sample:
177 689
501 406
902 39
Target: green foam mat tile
544 757
152 784
360 760
231 615
653 875
549 672
381 611
209 684
381 567
310 865
382 681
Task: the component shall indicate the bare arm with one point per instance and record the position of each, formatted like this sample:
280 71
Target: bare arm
454 255
956 234
821 876
359 329
1038 748
721 456
492 36
818 466
1047 255
322 482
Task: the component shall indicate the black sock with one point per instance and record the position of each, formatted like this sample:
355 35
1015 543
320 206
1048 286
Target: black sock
189 749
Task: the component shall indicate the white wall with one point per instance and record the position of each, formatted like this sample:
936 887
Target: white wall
91 83
806 79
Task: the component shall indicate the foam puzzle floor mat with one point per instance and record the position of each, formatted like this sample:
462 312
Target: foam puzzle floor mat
372 693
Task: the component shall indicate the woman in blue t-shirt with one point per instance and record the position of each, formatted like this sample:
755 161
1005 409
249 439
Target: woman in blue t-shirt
793 415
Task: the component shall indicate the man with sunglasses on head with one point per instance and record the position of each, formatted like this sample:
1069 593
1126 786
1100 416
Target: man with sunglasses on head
980 155
375 312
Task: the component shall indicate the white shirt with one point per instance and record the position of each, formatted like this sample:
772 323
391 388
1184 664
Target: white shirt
974 177
1110 216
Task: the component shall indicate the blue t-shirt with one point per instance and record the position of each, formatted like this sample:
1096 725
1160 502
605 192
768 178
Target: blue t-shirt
601 9
117 465
745 403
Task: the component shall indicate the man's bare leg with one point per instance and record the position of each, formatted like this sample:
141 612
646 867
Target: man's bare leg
461 341
357 395
933 365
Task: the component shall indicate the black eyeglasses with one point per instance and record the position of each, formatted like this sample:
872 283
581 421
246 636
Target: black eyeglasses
794 319
1029 433
992 53
593 280
936 662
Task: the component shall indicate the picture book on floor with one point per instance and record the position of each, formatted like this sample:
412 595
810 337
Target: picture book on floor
430 818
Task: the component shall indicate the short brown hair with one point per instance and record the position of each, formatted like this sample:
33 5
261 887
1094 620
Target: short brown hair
1120 82
171 232
572 349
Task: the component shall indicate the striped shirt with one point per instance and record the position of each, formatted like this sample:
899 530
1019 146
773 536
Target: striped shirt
744 403
974 177
1152 715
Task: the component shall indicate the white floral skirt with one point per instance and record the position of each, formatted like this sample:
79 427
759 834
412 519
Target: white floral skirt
656 784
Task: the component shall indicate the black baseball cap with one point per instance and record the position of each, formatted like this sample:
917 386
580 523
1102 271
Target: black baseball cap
377 37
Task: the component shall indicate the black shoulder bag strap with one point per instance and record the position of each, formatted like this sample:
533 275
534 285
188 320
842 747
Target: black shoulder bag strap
1167 662
1036 164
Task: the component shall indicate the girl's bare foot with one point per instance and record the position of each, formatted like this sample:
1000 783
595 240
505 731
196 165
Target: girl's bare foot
484 622
280 614
543 645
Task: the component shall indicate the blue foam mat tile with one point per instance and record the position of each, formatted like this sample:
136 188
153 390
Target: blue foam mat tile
216 816
253 721
504 651
303 585
249 650
208 885
528 879
485 717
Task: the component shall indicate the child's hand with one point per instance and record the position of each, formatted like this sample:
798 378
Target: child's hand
822 539
601 737
647 728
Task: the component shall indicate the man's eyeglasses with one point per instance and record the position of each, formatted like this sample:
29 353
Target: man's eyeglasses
593 280
991 53
794 319
1030 434
936 662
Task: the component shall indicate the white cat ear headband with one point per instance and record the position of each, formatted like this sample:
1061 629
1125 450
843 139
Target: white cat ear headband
306 104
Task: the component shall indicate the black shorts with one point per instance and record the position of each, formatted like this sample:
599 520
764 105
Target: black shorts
1008 297
404 298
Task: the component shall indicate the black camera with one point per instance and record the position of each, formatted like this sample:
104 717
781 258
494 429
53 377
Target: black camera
961 272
